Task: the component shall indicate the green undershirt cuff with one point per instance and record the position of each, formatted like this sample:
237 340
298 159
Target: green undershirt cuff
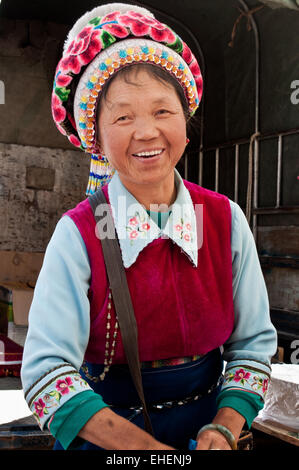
245 403
73 415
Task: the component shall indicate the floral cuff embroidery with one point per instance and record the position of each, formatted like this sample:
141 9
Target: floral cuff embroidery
53 394
242 377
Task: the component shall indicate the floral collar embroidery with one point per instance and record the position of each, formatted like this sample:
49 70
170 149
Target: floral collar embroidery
136 229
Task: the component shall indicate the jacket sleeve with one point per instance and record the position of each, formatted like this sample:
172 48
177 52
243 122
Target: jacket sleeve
253 342
59 325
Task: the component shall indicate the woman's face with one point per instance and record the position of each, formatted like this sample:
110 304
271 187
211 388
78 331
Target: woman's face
142 129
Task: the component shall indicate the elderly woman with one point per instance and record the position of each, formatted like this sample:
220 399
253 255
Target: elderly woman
124 91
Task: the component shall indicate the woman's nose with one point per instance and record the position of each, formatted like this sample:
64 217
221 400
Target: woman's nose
146 129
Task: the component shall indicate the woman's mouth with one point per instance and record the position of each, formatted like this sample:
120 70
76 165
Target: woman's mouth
148 155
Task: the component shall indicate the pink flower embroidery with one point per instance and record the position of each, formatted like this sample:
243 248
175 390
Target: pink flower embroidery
133 234
194 67
110 17
81 42
74 140
137 226
47 398
133 221
188 226
94 47
241 376
113 28
63 386
39 406
187 237
141 25
265 385
178 227
70 63
63 80
59 112
81 50
186 54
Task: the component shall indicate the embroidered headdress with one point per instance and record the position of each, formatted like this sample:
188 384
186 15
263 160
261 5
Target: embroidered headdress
100 43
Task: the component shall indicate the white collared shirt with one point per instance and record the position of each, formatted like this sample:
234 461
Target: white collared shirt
136 229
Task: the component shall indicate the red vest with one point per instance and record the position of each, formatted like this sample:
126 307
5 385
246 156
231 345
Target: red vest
180 310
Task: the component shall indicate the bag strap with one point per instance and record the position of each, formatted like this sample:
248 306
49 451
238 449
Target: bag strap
121 298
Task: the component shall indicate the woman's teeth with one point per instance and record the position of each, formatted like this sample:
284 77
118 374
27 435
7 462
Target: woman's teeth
153 153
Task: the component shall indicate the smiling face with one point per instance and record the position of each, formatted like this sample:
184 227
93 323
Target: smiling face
142 130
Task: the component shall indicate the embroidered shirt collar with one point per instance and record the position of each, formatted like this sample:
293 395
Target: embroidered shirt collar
136 229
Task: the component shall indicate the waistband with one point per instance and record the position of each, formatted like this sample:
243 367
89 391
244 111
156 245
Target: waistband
169 362
183 401
161 385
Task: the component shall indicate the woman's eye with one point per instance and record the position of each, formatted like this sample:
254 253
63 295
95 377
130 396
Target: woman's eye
162 111
122 118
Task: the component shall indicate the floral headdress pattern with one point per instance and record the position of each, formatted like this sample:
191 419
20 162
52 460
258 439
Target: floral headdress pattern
101 43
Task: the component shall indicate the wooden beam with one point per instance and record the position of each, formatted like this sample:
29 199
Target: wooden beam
279 261
275 430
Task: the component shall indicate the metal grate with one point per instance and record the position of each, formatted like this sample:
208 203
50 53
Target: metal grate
278 208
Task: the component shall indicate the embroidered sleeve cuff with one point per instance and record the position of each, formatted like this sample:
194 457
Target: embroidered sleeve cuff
247 404
70 418
53 390
250 376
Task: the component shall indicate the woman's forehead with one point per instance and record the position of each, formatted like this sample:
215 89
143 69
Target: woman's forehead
122 101
138 83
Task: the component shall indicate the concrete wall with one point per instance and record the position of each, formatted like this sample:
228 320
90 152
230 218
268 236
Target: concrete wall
37 185
29 53
42 175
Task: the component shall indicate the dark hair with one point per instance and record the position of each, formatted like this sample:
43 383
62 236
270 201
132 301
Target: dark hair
154 71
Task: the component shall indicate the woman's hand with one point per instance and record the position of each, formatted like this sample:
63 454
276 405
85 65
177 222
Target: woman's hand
110 431
212 439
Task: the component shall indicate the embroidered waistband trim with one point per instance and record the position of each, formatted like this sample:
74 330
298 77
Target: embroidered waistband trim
169 362
147 365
